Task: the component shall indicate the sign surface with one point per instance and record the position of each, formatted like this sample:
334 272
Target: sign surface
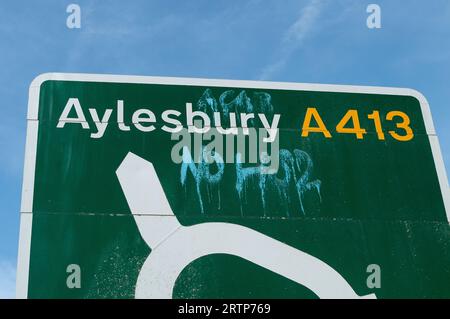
344 196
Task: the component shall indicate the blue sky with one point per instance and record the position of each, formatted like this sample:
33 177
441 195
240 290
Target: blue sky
316 41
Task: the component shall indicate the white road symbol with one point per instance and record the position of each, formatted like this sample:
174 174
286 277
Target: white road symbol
175 246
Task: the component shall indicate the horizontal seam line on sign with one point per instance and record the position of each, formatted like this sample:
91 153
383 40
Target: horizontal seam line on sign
231 217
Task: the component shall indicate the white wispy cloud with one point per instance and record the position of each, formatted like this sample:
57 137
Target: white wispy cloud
294 37
7 279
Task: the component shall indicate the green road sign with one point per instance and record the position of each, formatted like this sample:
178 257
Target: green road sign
146 187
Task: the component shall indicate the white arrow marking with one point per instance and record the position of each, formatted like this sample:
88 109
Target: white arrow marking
175 246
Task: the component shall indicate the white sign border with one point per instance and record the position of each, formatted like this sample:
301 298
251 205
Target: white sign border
32 136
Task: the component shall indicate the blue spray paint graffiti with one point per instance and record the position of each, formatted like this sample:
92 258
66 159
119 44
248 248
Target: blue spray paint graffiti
290 170
303 183
291 182
260 102
202 174
295 169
